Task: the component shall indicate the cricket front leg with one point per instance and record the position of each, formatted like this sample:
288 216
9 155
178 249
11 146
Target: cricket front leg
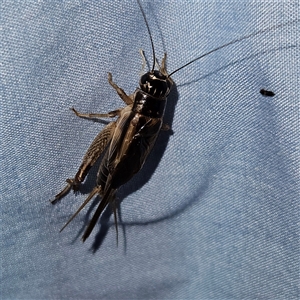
127 99
163 68
89 159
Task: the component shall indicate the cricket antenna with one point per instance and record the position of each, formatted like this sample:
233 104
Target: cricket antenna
236 41
152 45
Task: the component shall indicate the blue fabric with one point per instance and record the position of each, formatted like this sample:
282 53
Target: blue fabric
214 212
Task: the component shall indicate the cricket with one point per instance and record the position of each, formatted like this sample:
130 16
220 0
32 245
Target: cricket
126 142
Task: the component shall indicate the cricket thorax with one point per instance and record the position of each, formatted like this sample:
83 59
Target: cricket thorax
148 105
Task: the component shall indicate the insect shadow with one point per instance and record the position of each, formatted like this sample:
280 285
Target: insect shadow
236 62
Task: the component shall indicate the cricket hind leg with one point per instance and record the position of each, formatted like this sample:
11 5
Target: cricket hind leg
93 153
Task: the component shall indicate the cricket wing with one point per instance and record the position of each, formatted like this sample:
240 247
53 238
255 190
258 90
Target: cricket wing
129 149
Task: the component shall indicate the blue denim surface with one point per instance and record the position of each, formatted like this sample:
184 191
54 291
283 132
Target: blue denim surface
214 212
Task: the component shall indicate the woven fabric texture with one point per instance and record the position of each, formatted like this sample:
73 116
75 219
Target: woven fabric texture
213 214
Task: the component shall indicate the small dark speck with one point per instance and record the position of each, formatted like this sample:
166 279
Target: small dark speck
267 93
